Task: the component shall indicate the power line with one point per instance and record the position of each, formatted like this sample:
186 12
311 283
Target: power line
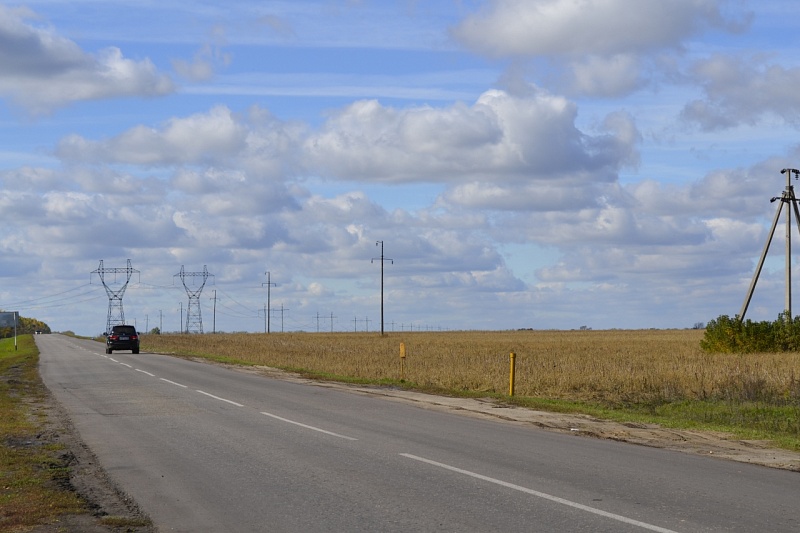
150 286
248 308
71 303
233 313
24 302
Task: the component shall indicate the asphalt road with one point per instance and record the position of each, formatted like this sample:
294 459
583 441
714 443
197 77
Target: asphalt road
204 448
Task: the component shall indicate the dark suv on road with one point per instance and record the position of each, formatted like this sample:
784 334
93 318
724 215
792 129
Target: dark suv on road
122 338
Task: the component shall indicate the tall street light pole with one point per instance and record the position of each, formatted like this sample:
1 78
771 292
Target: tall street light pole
382 259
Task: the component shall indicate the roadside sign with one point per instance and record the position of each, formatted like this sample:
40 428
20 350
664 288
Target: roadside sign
8 319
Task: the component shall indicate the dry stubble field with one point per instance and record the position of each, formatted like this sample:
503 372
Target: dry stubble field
662 373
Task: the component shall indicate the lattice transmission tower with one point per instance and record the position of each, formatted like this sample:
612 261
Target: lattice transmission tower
194 318
116 314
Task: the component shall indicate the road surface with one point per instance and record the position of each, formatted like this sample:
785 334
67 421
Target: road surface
205 448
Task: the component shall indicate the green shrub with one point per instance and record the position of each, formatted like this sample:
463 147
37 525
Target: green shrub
731 335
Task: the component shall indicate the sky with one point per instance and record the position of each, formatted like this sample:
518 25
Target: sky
544 164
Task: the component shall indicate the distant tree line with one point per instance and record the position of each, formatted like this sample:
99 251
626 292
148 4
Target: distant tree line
25 326
731 335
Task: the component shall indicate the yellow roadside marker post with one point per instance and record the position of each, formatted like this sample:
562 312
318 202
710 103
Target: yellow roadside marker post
511 377
402 361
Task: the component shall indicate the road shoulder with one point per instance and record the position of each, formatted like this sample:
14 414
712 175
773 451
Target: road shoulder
109 509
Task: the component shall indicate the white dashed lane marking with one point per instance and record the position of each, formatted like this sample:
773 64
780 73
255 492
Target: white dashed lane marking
307 426
221 399
174 383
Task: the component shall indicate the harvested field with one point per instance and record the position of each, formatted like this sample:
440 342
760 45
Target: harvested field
612 368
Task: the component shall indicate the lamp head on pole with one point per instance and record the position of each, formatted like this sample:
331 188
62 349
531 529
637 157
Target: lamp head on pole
791 171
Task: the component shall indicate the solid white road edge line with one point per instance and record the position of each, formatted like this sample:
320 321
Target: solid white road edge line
307 427
542 495
221 399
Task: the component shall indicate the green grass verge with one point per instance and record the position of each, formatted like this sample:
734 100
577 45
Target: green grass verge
33 479
746 421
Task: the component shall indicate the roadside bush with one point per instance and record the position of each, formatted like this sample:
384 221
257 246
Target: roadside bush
25 326
731 335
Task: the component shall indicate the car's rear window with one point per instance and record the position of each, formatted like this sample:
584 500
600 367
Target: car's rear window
124 330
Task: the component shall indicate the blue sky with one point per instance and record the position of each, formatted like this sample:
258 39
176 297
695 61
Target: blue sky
527 163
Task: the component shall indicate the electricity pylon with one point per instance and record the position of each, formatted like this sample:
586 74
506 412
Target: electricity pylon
194 318
116 314
786 197
382 259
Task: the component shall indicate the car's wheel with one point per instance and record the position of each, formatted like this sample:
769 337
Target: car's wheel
108 350
135 350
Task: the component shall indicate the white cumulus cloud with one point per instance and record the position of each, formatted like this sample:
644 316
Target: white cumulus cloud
41 70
